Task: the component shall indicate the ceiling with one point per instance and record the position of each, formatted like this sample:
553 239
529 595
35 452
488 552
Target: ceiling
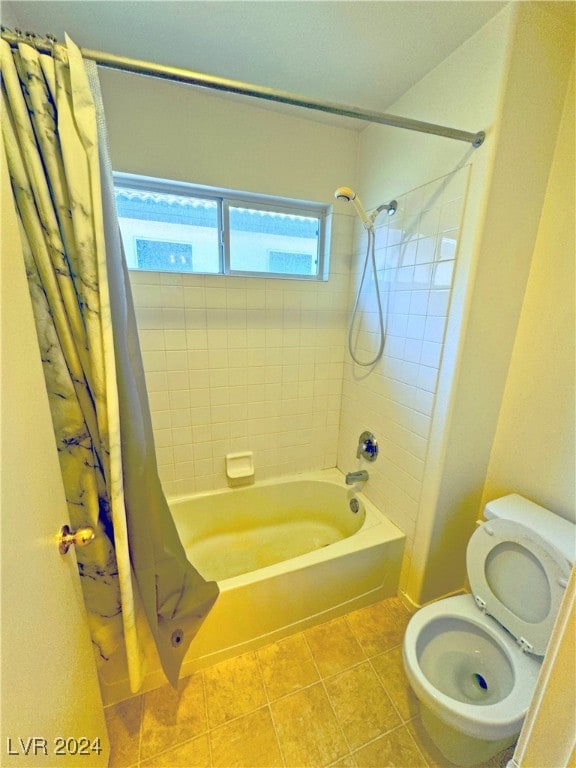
364 53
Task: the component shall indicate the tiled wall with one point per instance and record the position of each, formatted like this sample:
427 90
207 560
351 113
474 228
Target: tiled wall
237 364
416 252
257 364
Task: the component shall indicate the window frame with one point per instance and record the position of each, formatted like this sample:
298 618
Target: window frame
224 199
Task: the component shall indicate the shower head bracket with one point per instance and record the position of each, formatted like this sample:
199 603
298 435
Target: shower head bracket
390 209
349 196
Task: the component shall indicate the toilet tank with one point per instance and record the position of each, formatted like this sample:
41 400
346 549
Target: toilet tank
557 531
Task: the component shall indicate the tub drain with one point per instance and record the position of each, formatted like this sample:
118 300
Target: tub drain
480 681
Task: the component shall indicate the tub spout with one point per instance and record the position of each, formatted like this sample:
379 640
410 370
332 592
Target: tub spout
356 477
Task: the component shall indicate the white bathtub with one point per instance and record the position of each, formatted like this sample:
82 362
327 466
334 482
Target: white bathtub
231 533
287 554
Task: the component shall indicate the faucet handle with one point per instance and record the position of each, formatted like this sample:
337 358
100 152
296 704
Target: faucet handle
367 447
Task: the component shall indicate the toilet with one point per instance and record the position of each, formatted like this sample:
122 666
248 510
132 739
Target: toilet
473 660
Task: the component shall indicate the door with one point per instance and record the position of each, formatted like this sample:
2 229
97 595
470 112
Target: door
52 711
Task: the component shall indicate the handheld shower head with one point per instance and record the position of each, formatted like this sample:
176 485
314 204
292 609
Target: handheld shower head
349 196
345 193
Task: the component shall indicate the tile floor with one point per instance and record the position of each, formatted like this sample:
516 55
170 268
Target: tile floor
333 695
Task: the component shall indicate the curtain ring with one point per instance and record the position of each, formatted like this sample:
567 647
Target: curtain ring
52 43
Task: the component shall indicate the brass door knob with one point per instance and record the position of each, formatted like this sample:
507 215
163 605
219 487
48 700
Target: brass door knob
80 538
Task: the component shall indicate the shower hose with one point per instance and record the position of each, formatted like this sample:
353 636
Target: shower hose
370 254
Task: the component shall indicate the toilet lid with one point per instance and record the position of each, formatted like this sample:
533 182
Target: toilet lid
518 578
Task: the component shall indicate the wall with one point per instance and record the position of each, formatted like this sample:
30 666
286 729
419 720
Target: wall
190 134
232 363
8 17
548 737
534 446
534 88
509 79
405 398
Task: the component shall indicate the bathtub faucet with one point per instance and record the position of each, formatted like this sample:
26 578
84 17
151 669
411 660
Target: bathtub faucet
356 477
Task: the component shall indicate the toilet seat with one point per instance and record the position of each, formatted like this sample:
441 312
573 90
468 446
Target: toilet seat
518 578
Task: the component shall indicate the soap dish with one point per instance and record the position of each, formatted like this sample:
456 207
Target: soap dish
240 465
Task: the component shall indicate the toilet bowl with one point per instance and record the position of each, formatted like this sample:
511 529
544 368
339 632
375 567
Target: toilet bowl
473 660
470 674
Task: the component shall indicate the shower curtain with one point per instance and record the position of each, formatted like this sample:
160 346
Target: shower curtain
55 142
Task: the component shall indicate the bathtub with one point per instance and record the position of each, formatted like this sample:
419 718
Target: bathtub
287 554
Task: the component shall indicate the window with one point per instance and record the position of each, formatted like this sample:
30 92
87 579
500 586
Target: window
165 230
177 227
163 255
286 262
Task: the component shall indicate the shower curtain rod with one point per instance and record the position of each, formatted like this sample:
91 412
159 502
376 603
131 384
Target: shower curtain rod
177 74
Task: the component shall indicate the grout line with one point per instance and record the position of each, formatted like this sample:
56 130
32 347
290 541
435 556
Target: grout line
233 720
351 629
208 729
372 667
177 746
337 719
278 739
268 702
205 732
140 729
417 745
388 733
316 682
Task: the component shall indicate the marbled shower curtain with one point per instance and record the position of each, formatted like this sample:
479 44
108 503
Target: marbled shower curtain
136 565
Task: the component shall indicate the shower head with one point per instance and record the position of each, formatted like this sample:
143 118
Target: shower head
349 196
345 193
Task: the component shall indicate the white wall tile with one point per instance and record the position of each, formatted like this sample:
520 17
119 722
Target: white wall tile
395 399
438 302
173 318
262 364
434 329
235 361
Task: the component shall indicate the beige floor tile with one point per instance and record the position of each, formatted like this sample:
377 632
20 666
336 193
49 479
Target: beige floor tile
363 707
345 762
171 717
123 722
390 669
248 742
309 733
379 627
287 666
334 647
192 754
233 688
394 750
